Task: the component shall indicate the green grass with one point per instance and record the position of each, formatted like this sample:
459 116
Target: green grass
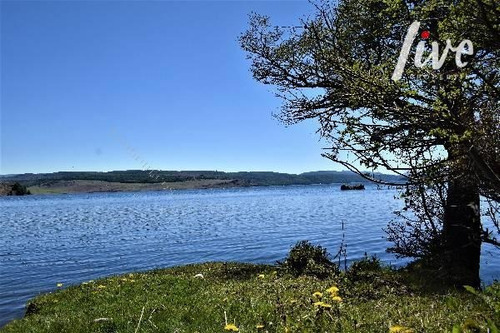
173 300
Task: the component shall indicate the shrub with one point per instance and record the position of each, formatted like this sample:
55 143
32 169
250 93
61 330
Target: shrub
367 264
307 259
368 279
364 269
18 189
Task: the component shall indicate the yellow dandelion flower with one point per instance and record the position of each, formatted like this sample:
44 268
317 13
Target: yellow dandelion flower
337 299
231 328
59 285
317 294
400 329
261 276
326 306
318 303
333 290
259 326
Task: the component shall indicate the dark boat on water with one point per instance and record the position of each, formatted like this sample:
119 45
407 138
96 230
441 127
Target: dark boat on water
345 187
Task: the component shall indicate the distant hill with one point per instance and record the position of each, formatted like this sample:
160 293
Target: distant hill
250 178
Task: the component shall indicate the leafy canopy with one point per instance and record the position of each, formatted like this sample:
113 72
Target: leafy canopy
432 125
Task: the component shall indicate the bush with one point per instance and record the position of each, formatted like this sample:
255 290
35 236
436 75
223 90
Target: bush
307 259
367 264
18 189
364 268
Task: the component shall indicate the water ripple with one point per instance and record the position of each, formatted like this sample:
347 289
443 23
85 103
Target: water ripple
73 238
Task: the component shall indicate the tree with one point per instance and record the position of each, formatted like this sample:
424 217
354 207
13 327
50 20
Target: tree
437 127
18 189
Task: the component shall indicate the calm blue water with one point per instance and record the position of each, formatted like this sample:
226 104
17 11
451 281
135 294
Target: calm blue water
68 239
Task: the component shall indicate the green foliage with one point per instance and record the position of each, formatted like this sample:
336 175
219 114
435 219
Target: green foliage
18 189
491 297
367 279
434 126
364 268
174 300
307 259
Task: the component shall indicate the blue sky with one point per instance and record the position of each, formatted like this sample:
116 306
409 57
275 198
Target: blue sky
84 82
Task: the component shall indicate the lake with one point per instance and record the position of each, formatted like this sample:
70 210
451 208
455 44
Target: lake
50 239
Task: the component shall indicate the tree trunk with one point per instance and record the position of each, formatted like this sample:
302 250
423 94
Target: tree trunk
462 233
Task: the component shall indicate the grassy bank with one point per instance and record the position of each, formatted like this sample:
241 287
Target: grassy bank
90 186
255 299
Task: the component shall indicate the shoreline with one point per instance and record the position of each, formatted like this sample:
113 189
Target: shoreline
135 180
97 186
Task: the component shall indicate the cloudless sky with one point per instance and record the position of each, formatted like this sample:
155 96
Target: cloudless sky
84 83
